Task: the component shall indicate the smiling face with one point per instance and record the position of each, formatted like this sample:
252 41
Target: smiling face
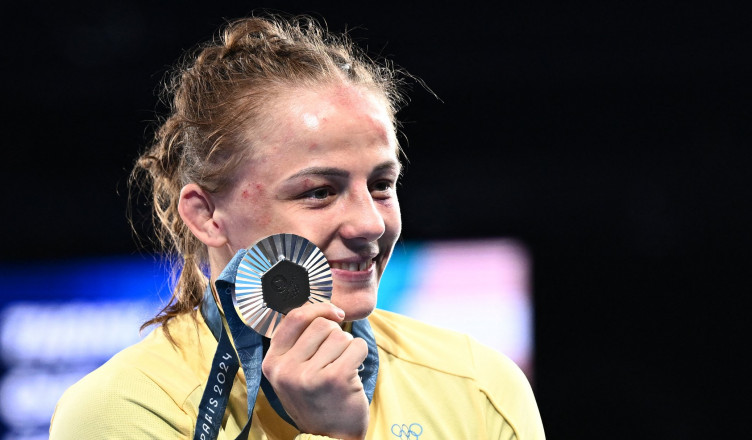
325 168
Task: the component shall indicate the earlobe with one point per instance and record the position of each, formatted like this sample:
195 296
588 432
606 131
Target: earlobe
196 208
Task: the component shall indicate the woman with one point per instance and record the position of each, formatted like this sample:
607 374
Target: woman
279 127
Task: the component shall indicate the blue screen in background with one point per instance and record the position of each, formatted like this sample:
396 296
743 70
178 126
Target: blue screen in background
60 320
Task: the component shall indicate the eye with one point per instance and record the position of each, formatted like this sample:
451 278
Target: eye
382 188
382 185
320 193
317 194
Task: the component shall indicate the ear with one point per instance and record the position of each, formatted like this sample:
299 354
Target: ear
196 208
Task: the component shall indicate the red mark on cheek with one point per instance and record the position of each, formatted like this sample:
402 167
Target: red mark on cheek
313 147
252 191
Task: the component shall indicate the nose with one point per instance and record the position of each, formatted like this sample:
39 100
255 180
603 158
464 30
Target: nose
361 218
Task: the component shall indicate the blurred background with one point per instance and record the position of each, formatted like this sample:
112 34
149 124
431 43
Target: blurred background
593 156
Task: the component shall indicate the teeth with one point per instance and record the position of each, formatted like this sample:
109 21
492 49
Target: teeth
352 267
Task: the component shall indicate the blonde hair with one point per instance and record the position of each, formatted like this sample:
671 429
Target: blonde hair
216 95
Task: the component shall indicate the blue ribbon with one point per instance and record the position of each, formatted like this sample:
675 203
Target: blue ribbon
217 393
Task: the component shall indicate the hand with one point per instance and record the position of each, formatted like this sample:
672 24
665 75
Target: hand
312 364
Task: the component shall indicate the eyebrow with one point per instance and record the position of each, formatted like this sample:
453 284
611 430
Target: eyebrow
319 171
337 172
390 165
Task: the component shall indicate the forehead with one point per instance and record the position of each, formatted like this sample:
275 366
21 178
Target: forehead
327 113
322 124
318 105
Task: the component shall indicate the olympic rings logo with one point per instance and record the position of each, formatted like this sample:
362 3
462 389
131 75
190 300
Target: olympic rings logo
409 432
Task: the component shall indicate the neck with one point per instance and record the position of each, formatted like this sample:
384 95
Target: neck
218 259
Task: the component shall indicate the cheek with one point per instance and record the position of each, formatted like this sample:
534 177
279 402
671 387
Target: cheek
251 213
393 216
254 190
392 224
393 229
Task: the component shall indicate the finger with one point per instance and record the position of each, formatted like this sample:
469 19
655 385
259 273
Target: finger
312 338
297 321
351 357
331 349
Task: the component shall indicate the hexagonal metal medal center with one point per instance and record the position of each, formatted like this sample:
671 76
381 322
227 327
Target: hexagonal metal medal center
285 286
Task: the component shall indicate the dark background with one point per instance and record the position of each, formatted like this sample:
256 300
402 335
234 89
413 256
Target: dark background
611 137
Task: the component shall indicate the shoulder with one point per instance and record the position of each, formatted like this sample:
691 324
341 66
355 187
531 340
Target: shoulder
503 383
435 347
150 381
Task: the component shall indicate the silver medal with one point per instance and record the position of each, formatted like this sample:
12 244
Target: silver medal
279 273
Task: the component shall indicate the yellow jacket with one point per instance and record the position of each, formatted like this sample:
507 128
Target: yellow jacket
432 384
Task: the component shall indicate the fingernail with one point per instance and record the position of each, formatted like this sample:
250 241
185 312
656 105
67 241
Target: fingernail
340 313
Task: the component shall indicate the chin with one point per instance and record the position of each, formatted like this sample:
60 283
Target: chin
357 305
